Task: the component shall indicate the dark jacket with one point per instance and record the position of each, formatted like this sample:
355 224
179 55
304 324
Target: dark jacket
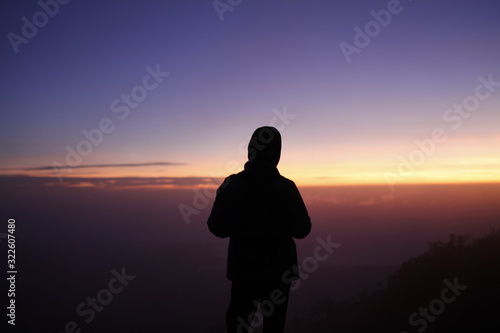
261 212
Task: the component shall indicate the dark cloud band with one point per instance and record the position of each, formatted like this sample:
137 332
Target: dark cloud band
118 165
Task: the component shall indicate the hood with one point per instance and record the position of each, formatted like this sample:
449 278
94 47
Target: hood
265 145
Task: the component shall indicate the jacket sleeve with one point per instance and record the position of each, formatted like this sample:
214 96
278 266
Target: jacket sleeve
218 222
300 222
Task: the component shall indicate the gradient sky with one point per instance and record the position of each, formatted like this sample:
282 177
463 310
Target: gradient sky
352 122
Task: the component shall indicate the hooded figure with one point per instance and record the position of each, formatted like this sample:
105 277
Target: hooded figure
261 212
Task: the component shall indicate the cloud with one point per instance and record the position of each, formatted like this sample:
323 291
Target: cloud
115 165
110 182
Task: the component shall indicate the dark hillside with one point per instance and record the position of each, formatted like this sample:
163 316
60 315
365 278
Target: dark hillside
453 287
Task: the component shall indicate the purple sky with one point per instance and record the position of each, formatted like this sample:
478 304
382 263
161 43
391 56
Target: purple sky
266 63
352 121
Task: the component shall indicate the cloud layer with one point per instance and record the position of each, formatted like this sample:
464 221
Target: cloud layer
111 165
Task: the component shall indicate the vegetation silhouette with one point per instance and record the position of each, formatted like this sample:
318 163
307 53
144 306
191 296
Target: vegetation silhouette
418 282
416 289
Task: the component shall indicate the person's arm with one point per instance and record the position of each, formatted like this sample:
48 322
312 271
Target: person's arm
299 217
218 223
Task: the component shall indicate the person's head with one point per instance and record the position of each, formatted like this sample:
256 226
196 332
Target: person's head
265 145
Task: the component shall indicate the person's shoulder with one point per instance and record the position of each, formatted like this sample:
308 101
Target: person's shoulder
228 179
231 180
286 182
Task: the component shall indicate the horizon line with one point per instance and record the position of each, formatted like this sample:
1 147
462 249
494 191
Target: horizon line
183 182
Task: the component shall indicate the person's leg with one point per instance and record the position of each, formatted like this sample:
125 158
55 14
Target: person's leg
274 305
242 306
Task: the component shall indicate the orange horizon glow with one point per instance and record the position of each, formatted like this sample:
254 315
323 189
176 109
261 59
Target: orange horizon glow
459 160
353 179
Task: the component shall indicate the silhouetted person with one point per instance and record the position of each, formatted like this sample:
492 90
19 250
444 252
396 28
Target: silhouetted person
261 212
